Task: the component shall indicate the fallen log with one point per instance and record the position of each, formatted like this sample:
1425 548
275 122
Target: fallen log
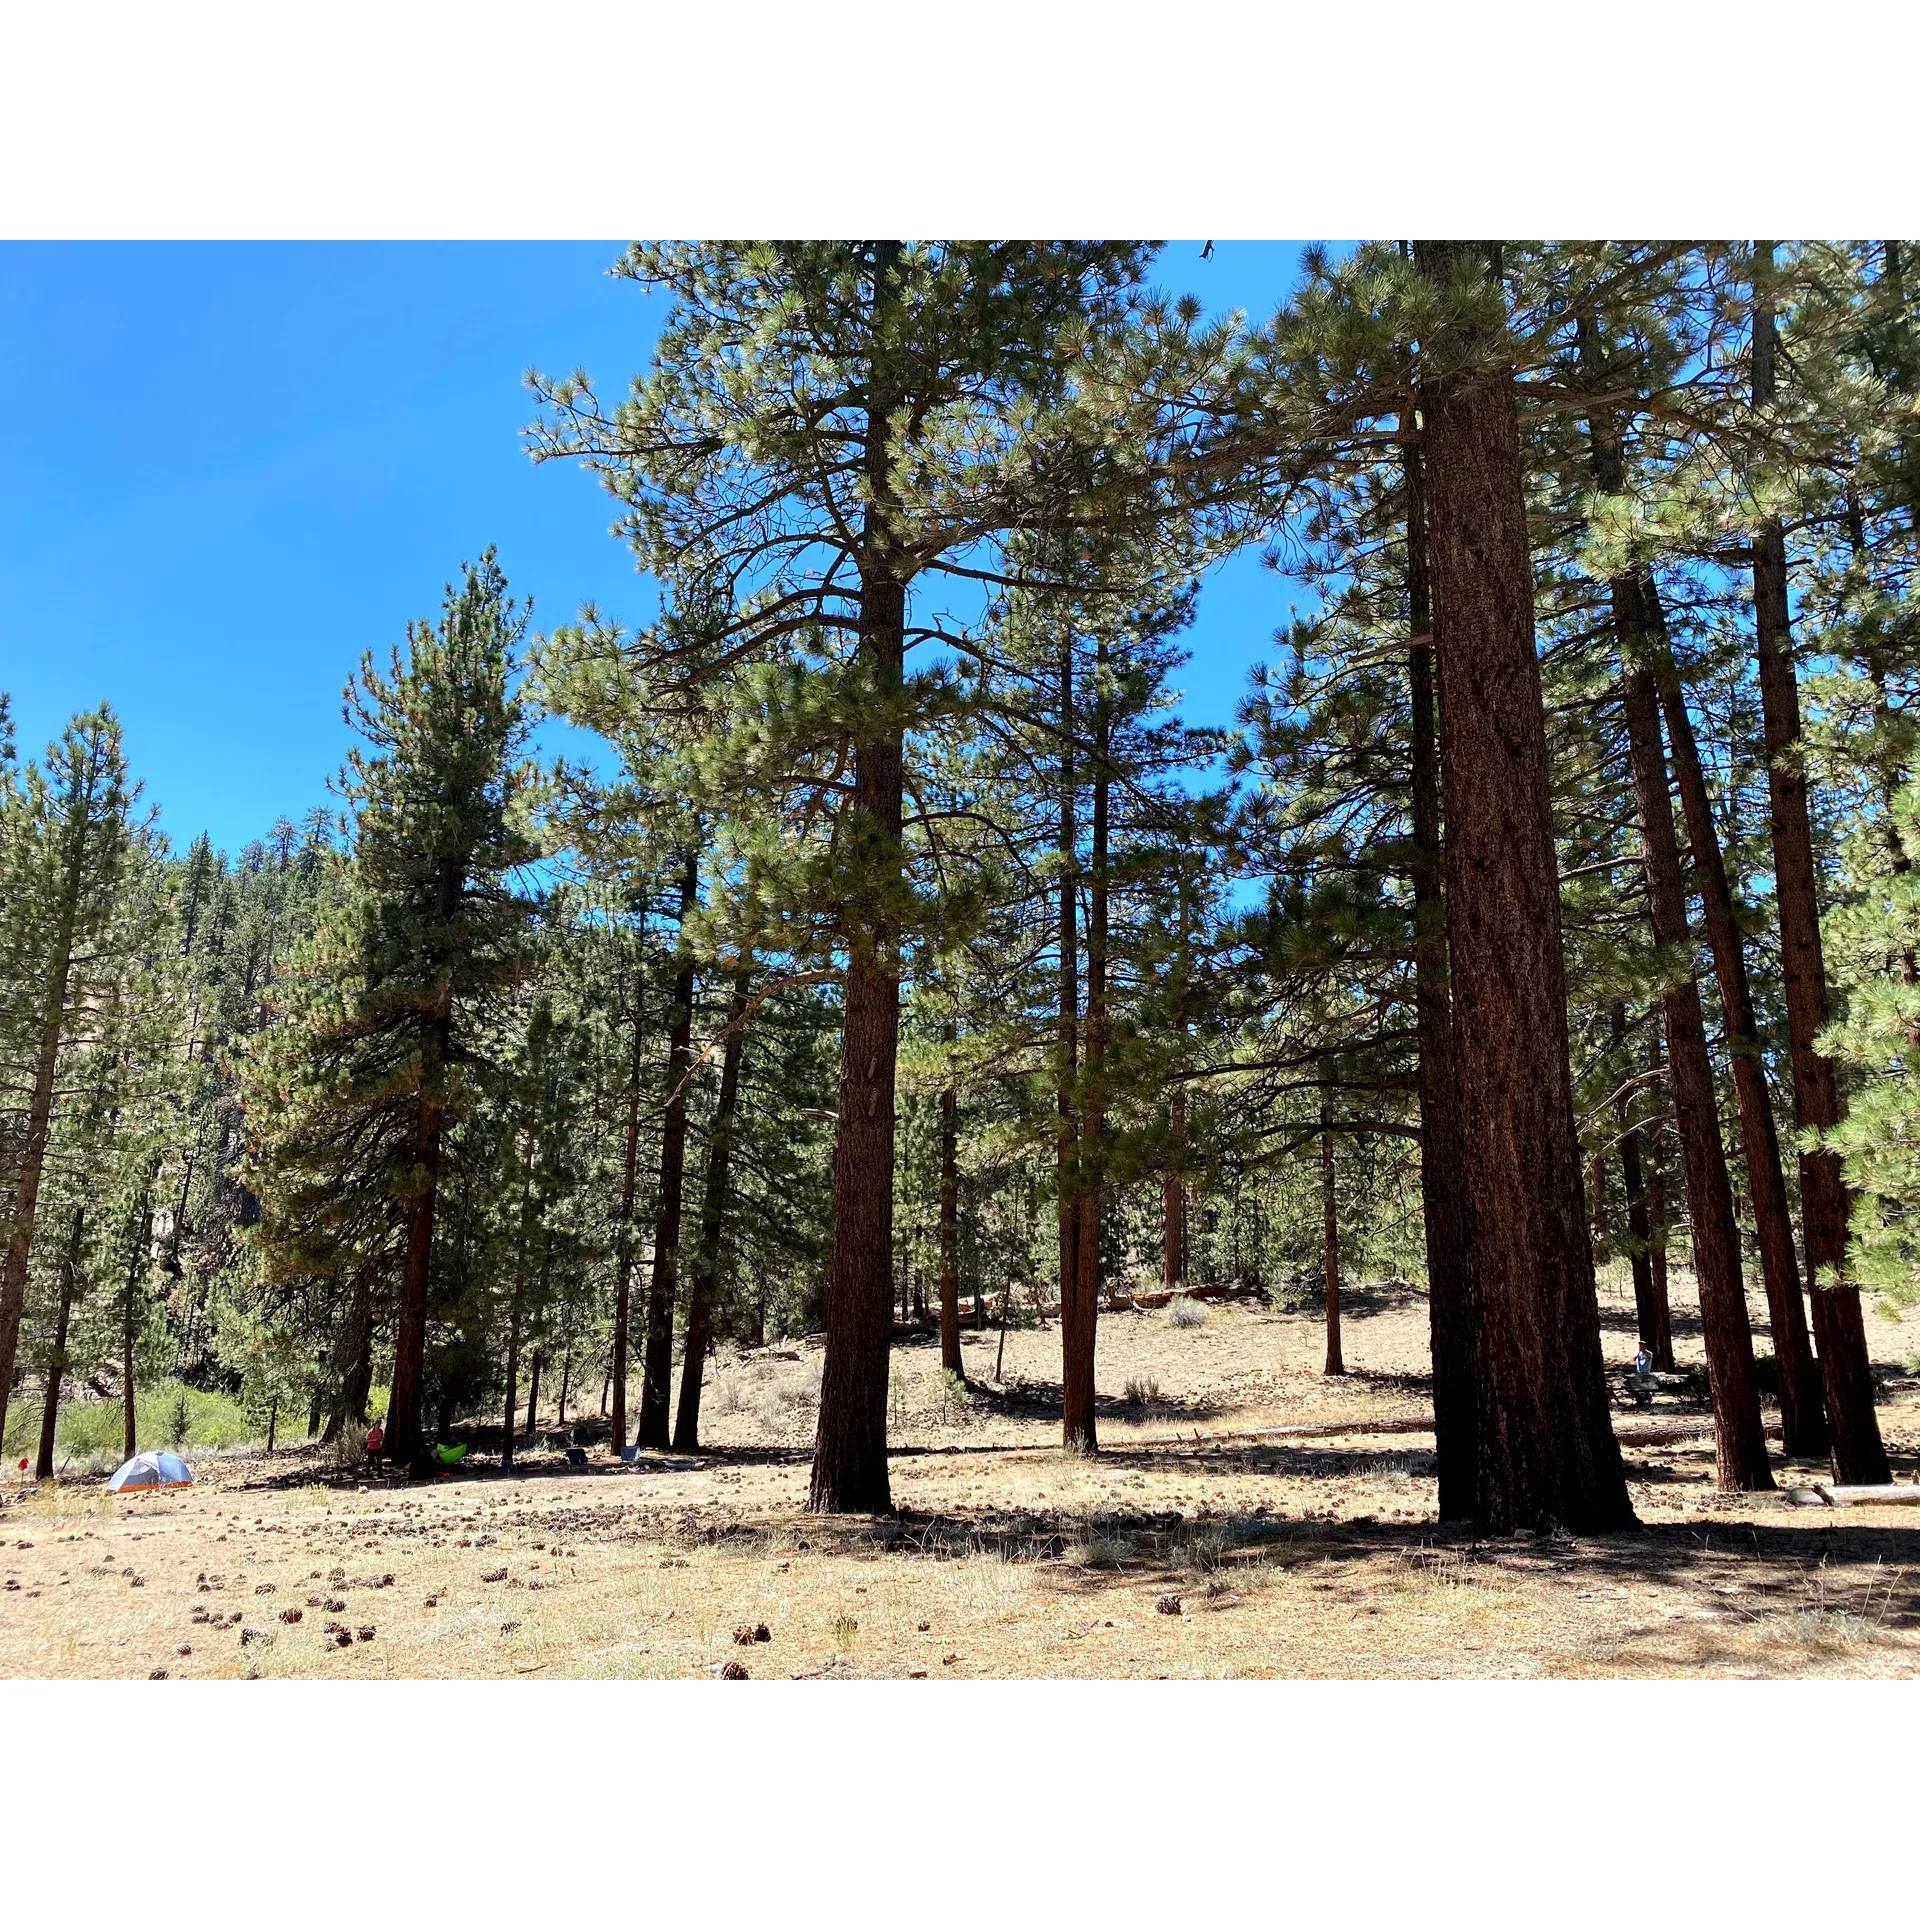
1145 1302
1870 1496
1660 1432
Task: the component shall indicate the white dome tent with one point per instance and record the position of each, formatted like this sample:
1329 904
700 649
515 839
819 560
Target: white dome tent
151 1470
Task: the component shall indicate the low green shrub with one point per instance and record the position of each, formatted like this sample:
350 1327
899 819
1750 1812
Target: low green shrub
166 1414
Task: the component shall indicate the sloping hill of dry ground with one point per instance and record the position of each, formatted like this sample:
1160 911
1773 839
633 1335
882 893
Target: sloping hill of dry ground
1179 1550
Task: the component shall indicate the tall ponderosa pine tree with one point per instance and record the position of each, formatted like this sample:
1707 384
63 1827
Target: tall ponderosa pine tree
1859 1454
383 1048
1546 1448
66 846
829 427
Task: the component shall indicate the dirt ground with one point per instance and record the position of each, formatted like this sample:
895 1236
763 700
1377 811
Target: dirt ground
1184 1548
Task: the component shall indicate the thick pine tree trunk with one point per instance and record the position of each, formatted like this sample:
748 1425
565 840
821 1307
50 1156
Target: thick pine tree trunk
952 1361
656 1383
1080 1311
1643 636
1803 1414
1546 1452
623 1270
1330 1241
1740 1447
1859 1456
1450 1317
1739 1441
57 1361
850 1450
533 1393
713 1220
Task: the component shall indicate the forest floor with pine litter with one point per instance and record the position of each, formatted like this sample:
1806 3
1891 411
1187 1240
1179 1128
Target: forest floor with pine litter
1178 1551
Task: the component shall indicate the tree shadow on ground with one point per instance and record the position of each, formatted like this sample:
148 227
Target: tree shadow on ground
1865 1575
1264 1457
1418 1384
1035 1402
1358 1301
1684 1324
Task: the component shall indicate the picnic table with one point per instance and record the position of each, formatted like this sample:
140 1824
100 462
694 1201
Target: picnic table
1639 1387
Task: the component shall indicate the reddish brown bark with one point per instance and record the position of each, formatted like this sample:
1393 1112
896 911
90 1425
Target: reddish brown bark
850 1457
1803 1414
1546 1452
1740 1448
850 1451
1803 1417
1859 1455
1442 1204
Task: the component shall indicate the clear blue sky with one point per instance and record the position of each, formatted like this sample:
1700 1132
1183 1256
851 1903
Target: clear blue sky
228 470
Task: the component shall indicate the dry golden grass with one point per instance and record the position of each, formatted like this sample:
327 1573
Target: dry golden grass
1176 1551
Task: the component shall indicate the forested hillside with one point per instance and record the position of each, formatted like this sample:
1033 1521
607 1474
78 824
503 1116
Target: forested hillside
902 955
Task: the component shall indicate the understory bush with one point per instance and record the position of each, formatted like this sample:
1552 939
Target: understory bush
88 1435
787 1392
